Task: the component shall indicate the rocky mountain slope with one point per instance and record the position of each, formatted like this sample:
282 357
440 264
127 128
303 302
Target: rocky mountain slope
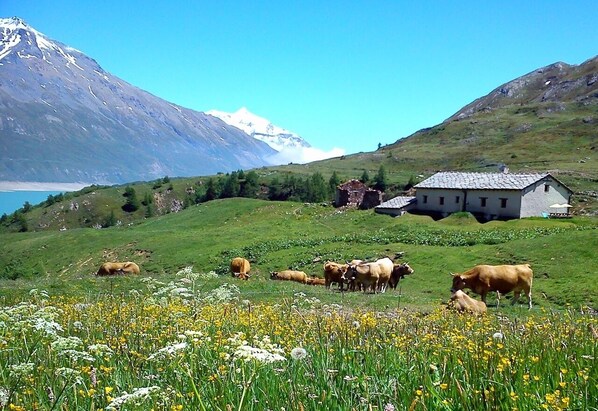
64 119
556 83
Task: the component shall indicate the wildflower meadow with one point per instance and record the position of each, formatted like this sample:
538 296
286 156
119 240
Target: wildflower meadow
182 346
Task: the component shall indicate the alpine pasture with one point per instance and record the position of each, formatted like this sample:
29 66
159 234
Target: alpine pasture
185 334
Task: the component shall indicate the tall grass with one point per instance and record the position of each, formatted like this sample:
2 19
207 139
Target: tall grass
182 345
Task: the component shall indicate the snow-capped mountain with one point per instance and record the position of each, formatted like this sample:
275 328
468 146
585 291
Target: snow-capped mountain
276 137
64 119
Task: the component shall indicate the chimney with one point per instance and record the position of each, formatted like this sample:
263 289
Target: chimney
503 168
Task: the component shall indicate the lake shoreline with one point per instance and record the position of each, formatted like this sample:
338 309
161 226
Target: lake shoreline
8 186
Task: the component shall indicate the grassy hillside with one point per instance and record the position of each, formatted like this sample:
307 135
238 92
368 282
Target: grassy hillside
280 235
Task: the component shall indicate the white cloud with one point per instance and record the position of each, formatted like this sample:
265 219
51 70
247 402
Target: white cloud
302 155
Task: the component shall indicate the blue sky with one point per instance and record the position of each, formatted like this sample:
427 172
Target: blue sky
342 74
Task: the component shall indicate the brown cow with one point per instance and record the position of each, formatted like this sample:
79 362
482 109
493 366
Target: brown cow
333 273
462 302
118 268
316 281
289 275
240 268
399 271
364 274
482 279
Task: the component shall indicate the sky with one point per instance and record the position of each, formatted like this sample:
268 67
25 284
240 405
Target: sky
344 75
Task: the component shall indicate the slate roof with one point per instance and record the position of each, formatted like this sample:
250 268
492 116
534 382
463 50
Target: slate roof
397 202
481 181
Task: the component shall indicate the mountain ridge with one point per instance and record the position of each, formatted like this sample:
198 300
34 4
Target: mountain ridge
65 119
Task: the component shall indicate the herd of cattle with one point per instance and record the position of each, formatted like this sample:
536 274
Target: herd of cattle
376 276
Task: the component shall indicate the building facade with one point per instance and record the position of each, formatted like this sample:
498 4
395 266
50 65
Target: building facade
488 196
491 195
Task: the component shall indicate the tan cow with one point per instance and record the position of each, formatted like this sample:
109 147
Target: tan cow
333 273
364 274
316 281
118 268
240 268
289 275
399 271
503 279
462 302
386 266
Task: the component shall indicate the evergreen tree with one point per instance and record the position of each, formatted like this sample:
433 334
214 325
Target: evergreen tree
132 204
365 177
111 220
333 182
231 186
22 222
211 190
250 186
275 190
147 199
27 206
318 189
380 182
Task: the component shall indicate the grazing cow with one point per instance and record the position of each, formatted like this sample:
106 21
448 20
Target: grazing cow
289 275
333 273
462 302
316 281
482 279
364 274
399 271
240 268
118 268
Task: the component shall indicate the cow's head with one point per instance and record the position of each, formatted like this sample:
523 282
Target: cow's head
405 269
274 275
458 282
349 273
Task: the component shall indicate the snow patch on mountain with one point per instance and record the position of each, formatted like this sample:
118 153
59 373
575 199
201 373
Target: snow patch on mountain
260 128
291 147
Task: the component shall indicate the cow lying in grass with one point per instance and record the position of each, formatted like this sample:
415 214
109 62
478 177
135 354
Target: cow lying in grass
118 268
462 302
289 275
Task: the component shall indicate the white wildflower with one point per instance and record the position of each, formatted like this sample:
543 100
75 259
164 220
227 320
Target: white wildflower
356 324
18 371
168 351
223 294
48 327
75 355
137 397
389 407
3 397
69 374
66 343
298 353
100 350
78 325
247 353
498 336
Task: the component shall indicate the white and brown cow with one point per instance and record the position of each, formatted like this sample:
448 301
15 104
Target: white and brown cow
333 273
399 271
503 279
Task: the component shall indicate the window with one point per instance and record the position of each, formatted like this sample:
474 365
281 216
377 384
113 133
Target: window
503 203
441 200
546 188
483 201
457 200
425 199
